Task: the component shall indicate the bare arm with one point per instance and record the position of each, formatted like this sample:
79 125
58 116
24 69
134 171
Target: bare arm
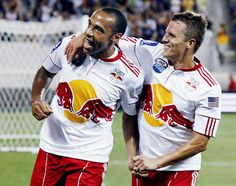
130 133
40 109
196 145
74 48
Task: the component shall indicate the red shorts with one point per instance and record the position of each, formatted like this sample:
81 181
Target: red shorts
50 169
167 178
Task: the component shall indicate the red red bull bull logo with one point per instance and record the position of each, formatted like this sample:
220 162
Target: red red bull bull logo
65 96
95 109
80 102
158 107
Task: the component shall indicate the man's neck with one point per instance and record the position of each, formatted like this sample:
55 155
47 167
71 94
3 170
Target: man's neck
186 62
107 53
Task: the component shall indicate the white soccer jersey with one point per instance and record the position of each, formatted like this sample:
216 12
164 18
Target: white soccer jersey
175 103
87 97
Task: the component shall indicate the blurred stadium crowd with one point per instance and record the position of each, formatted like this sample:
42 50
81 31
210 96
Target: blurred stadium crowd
146 18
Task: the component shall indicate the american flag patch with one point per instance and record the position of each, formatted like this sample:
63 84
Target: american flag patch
213 101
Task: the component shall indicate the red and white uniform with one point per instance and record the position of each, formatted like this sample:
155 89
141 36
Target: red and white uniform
87 97
175 103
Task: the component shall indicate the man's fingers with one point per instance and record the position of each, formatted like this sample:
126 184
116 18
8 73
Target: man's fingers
136 158
68 55
40 110
66 50
49 109
140 174
71 55
38 113
139 166
45 109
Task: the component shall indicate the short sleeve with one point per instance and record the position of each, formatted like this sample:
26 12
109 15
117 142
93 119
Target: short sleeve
130 96
53 62
142 52
147 49
127 45
208 112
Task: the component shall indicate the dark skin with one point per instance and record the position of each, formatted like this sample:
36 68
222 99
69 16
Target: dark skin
99 38
40 109
98 42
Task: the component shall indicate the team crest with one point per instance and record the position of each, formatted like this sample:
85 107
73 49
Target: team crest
159 65
117 75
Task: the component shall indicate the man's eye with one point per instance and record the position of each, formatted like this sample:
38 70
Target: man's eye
100 29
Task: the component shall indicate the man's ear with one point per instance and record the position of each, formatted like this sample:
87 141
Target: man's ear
191 44
116 37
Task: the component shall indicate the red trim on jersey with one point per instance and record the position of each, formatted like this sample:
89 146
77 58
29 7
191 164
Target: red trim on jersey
127 38
191 69
211 122
120 53
206 76
130 65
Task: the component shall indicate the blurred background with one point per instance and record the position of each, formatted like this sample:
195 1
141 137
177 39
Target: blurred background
30 28
147 19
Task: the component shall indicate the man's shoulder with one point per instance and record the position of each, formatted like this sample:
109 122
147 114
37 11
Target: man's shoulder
133 69
61 45
205 79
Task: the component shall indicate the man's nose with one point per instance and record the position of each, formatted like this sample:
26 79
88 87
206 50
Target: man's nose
89 32
164 39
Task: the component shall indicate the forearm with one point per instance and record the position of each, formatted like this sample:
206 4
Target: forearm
196 145
40 84
129 125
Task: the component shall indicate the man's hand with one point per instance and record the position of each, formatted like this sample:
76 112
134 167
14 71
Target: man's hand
143 163
131 167
40 109
74 48
130 164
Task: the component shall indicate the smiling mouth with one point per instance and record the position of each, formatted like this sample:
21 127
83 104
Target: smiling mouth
88 44
166 46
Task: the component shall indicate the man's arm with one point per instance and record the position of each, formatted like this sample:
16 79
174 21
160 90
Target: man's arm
130 133
74 47
196 145
40 109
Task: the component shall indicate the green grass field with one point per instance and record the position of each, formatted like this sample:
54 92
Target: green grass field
218 167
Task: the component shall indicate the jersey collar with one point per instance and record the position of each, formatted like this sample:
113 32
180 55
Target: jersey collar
114 58
198 65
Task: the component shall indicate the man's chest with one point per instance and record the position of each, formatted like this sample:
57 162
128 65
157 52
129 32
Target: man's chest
94 79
